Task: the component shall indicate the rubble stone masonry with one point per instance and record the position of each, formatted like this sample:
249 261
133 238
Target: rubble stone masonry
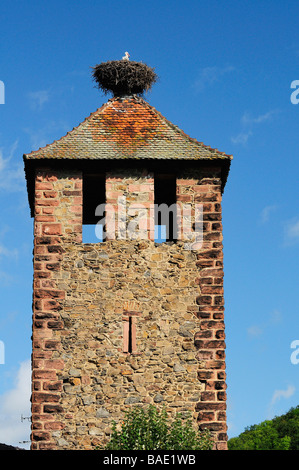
124 322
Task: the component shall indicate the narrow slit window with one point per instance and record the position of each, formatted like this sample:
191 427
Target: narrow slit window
165 208
130 340
129 335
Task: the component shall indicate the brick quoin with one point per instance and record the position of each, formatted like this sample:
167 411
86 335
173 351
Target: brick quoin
50 223
210 338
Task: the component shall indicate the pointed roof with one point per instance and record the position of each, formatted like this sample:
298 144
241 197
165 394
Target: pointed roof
126 128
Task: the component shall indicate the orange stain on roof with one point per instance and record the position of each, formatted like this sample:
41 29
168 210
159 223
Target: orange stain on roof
128 124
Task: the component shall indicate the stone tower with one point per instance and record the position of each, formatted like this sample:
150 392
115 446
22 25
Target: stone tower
138 317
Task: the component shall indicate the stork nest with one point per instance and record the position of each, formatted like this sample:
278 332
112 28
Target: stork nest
124 77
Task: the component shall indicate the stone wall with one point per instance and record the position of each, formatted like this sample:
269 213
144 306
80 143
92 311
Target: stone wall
89 297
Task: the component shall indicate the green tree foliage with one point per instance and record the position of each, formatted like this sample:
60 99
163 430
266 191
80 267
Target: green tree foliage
280 433
259 437
288 425
151 430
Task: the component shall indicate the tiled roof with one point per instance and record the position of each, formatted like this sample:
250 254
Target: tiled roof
126 128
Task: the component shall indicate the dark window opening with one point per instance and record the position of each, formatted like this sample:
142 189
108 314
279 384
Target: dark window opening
165 208
130 339
129 334
94 198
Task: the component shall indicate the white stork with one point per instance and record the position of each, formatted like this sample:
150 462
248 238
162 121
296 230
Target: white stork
126 56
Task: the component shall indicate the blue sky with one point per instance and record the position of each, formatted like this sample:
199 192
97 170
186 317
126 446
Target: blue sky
225 69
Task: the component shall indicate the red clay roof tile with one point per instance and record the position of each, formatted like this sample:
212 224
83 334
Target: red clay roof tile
126 128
